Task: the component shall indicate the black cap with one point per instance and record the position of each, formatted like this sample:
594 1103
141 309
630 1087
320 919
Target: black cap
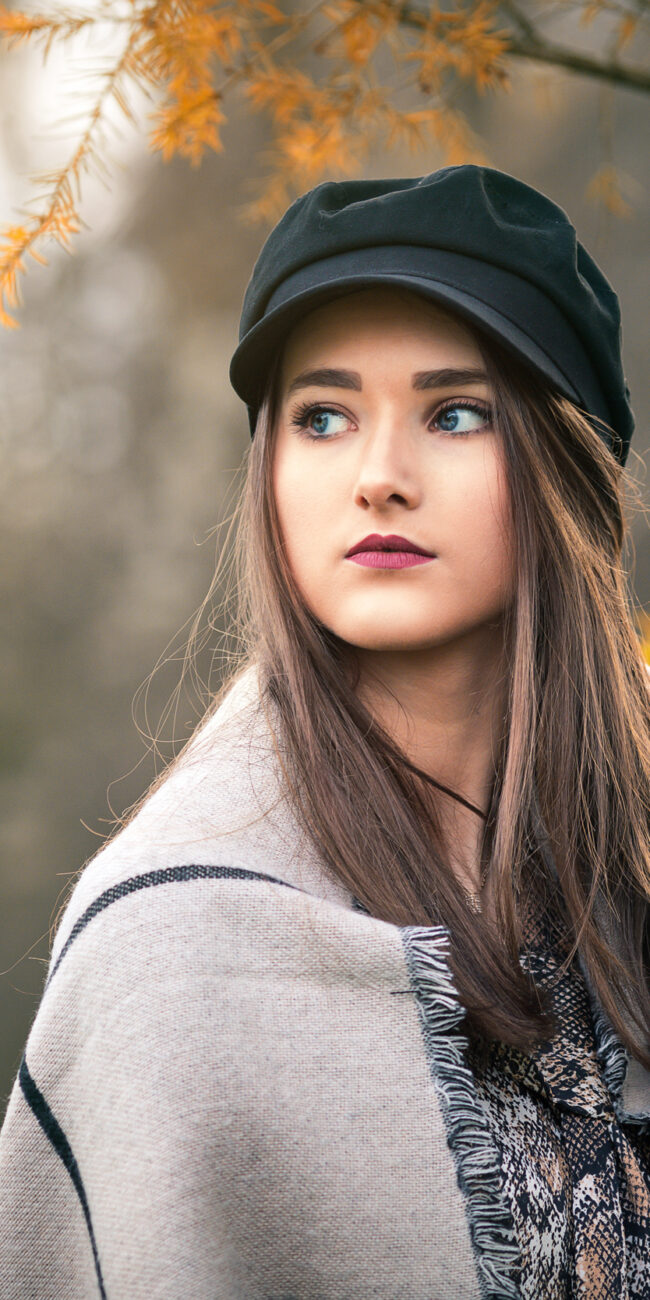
496 251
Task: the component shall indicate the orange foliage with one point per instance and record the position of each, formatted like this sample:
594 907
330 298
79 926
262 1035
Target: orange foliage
463 41
192 53
359 29
627 28
643 620
283 92
591 10
17 27
604 188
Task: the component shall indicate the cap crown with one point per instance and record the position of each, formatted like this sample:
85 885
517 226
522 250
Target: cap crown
473 210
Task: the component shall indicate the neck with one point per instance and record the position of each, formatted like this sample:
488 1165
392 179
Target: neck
444 707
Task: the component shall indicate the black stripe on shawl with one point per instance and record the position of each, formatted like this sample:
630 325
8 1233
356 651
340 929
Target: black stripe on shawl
53 1131
491 1227
163 876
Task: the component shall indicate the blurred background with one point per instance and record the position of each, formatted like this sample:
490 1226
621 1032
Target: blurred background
121 444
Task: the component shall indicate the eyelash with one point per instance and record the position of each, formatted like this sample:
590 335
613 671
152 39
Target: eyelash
301 416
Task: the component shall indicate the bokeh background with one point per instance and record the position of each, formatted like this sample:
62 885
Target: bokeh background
121 444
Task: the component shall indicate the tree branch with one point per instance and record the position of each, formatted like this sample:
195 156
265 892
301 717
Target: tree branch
526 29
604 70
529 45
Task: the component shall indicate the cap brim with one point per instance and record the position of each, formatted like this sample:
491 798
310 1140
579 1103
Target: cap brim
467 287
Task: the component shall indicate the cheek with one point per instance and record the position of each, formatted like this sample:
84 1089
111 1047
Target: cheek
292 502
302 508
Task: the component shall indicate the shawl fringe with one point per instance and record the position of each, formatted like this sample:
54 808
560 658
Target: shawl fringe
468 1135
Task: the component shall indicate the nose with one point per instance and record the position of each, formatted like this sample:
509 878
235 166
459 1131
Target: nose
387 469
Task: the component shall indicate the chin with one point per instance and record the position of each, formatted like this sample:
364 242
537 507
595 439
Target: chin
384 638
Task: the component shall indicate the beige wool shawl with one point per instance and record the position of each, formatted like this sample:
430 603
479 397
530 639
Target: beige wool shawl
238 1085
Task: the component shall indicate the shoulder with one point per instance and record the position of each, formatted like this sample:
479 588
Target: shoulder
221 808
211 884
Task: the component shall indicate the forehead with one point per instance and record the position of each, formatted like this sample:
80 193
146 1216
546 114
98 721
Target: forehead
375 317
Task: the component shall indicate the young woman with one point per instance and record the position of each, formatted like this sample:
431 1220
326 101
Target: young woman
356 1003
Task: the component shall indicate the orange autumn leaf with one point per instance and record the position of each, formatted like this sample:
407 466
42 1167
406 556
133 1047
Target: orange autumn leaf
643 621
627 28
327 76
605 188
188 126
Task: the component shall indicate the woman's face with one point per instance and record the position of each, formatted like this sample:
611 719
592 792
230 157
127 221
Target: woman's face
371 440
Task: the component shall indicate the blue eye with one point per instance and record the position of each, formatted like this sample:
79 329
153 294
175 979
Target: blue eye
315 421
320 421
450 417
454 418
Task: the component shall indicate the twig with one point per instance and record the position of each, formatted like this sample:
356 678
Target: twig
537 49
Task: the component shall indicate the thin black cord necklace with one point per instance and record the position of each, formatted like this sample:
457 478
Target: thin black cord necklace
425 777
473 899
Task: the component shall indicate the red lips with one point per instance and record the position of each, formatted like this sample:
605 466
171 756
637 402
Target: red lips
391 542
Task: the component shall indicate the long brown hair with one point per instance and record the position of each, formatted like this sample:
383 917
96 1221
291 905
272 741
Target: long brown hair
568 823
569 814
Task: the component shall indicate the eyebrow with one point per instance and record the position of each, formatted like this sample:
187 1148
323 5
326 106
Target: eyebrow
422 379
